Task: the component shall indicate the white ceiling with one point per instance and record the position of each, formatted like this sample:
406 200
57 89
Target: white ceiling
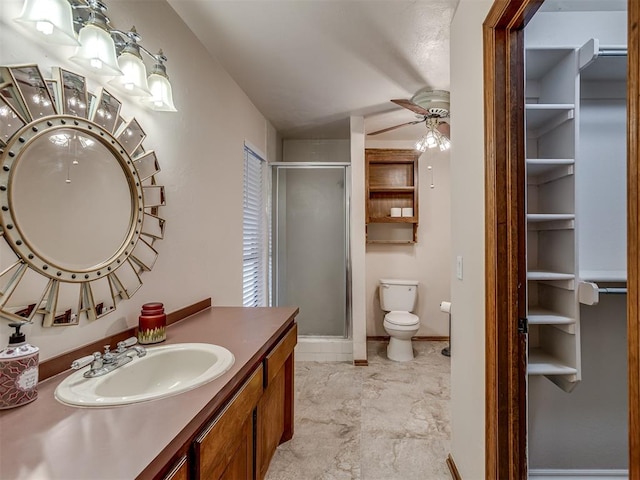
308 65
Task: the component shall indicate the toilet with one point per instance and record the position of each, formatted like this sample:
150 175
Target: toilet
398 298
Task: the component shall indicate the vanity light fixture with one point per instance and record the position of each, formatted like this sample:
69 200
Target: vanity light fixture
134 78
102 49
97 51
52 19
161 99
433 138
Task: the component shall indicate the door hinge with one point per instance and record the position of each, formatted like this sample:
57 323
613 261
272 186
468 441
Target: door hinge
523 325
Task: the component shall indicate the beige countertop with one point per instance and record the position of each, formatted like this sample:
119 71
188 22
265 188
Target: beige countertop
48 440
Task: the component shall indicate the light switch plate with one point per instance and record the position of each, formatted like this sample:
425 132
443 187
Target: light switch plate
459 267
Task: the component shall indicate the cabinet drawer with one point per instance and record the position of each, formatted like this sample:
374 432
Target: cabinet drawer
217 446
274 361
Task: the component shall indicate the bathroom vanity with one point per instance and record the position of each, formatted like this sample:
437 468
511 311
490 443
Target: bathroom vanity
227 428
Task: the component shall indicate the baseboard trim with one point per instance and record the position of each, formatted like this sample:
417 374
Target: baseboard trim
574 474
361 363
431 338
452 468
59 364
418 338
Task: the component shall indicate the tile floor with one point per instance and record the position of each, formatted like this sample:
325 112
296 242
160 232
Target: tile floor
386 421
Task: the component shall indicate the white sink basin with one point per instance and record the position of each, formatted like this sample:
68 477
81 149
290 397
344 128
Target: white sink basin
162 372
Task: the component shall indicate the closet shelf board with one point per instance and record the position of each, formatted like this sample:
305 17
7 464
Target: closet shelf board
543 117
542 363
549 217
541 166
548 275
543 316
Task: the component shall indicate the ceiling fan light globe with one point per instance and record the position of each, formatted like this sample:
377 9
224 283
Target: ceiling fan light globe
431 139
421 145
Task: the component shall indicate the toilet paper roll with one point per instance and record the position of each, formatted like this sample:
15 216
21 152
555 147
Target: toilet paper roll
445 307
407 212
396 212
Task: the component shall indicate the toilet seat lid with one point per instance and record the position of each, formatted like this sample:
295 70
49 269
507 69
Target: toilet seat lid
402 318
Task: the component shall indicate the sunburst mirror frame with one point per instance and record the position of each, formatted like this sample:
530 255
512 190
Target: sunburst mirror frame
30 107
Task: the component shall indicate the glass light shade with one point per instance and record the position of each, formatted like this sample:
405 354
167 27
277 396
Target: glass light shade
134 76
97 51
421 145
431 139
52 19
161 98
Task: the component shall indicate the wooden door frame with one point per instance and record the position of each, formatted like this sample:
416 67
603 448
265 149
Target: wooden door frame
505 413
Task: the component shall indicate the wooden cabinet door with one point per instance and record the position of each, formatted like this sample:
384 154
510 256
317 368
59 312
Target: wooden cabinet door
270 423
275 409
240 467
180 471
225 449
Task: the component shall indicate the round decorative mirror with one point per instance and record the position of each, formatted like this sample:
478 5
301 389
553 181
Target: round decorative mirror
78 199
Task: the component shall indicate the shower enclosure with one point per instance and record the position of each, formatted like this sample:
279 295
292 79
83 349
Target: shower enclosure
310 261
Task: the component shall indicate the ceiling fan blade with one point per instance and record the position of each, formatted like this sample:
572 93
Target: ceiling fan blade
394 127
408 104
445 129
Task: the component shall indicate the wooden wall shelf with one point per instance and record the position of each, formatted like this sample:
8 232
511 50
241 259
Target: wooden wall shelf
391 178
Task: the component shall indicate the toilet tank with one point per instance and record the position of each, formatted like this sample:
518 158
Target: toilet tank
398 295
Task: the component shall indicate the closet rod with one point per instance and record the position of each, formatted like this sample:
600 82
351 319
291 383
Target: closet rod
611 52
613 290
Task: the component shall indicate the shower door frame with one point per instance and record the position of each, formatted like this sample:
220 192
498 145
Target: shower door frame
346 167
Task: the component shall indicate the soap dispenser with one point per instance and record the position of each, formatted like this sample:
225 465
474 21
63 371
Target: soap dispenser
18 371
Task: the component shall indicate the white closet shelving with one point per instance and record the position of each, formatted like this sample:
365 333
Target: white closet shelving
551 113
576 253
574 227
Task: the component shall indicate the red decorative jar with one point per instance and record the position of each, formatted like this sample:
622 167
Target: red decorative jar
152 324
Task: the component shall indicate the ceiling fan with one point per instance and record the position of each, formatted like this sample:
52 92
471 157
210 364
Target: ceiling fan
432 107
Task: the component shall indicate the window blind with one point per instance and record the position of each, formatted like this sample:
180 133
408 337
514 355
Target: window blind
254 231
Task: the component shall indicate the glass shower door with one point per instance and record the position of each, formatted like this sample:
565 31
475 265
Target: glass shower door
311 247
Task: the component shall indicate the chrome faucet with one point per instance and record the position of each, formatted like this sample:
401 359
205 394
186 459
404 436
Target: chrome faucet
103 363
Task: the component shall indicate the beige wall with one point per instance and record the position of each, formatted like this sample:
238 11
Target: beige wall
426 261
200 150
467 240
316 150
358 236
